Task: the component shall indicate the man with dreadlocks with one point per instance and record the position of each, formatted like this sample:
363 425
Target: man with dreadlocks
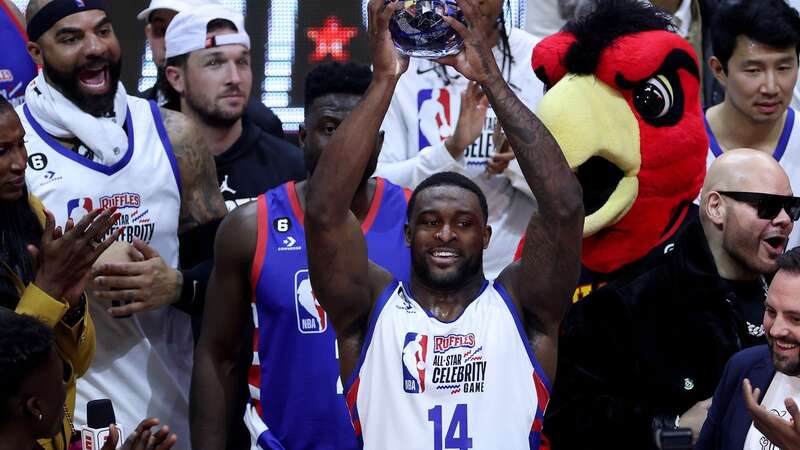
439 121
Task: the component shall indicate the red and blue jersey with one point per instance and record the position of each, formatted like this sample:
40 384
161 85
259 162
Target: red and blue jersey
294 382
17 68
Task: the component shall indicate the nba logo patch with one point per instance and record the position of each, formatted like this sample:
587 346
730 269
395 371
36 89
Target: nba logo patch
311 318
80 4
433 116
85 204
415 353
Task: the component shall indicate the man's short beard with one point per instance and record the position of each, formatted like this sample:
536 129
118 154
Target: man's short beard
210 114
68 83
784 366
451 282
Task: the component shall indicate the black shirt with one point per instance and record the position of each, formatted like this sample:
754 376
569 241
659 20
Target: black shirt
255 163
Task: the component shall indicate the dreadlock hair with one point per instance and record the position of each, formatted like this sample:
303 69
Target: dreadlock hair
449 179
19 227
27 342
505 47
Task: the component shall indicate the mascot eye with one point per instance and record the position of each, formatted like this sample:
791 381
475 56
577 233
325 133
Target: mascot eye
653 98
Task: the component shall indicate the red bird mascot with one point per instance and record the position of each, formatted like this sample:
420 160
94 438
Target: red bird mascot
623 103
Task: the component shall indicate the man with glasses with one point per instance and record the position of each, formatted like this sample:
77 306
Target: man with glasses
652 351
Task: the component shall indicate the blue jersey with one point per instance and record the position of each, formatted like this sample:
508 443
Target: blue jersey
17 68
296 391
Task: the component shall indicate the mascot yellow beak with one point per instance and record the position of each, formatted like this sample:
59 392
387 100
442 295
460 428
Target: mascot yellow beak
595 128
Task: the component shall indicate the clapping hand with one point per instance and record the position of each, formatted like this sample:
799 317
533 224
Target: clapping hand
64 258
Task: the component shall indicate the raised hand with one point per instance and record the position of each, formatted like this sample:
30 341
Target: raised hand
781 433
386 61
64 259
471 118
141 285
503 154
475 61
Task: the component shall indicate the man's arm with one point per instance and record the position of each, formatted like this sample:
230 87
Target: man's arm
201 201
213 405
542 282
343 279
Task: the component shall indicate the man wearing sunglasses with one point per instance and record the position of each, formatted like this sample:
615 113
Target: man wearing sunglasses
652 351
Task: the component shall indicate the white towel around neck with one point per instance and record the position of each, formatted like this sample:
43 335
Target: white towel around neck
63 119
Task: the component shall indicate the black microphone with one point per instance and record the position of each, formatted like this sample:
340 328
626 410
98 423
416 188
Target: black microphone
99 417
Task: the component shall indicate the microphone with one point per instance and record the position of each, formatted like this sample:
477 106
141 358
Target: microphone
99 416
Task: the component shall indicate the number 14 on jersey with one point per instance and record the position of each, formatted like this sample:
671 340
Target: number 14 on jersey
457 431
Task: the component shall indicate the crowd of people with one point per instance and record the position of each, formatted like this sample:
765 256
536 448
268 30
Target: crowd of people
176 253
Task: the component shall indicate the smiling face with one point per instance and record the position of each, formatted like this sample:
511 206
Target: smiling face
447 235
81 58
13 156
759 80
752 243
782 322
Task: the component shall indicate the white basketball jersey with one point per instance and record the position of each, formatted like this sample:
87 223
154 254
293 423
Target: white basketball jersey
787 152
142 363
422 384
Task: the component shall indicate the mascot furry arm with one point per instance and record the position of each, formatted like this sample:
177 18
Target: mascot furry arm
623 104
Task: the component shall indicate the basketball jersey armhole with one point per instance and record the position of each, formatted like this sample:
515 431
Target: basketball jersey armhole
374 206
373 320
164 136
261 242
501 290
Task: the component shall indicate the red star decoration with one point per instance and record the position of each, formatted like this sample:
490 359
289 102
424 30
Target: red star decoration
332 39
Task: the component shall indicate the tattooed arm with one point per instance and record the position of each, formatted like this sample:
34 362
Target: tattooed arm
201 201
542 282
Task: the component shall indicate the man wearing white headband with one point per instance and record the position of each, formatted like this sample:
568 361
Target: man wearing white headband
90 145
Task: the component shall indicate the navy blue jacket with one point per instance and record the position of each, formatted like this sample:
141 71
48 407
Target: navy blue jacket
728 420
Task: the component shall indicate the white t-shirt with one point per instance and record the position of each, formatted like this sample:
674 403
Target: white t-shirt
782 387
542 18
424 112
787 152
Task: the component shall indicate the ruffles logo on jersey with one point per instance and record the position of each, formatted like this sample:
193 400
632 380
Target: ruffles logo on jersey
124 200
311 318
134 217
415 352
442 344
459 364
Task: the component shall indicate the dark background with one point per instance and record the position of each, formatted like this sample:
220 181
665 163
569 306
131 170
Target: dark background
311 14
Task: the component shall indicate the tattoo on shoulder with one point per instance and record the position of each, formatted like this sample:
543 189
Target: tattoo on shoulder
201 201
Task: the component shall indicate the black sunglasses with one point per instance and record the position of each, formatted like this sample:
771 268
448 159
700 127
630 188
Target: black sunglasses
768 206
